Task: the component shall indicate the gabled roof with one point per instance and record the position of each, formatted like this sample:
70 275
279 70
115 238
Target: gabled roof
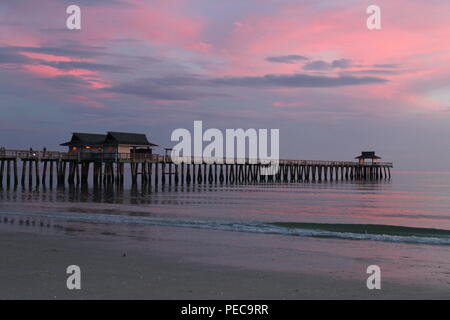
80 138
368 155
133 139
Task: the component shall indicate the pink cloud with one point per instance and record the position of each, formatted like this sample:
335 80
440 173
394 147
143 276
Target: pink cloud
45 57
323 33
199 46
85 101
280 104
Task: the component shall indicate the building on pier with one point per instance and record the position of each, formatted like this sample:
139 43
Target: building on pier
368 155
127 143
85 142
110 143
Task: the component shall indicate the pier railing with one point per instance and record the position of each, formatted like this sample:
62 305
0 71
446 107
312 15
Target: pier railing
109 167
31 154
143 157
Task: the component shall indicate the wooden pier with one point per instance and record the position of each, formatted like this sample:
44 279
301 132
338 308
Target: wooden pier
34 168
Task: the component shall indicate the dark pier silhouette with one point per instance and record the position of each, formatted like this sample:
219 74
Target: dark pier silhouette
47 168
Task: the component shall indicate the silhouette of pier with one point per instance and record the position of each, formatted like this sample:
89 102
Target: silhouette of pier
49 167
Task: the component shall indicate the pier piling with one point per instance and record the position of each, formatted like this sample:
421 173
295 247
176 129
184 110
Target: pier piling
158 169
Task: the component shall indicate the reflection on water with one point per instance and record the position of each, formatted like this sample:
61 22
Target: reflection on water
410 199
414 199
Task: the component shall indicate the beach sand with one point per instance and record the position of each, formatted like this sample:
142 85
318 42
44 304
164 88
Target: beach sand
127 262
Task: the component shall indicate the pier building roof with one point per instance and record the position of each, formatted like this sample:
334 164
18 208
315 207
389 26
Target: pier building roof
126 138
79 138
368 155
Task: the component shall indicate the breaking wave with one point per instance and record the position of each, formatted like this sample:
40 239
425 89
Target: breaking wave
372 232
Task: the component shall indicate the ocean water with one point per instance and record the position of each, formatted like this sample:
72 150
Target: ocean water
411 208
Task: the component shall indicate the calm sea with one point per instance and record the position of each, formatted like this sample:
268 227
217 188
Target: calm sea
411 208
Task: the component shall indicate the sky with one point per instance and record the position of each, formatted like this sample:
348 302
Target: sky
311 69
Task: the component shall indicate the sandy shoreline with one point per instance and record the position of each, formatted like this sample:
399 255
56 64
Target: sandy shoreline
173 263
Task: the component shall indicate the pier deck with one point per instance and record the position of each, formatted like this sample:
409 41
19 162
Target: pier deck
153 168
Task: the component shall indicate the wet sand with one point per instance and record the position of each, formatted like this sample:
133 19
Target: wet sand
178 263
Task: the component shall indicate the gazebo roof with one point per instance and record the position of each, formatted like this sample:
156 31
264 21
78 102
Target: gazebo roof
95 139
80 138
368 155
133 139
